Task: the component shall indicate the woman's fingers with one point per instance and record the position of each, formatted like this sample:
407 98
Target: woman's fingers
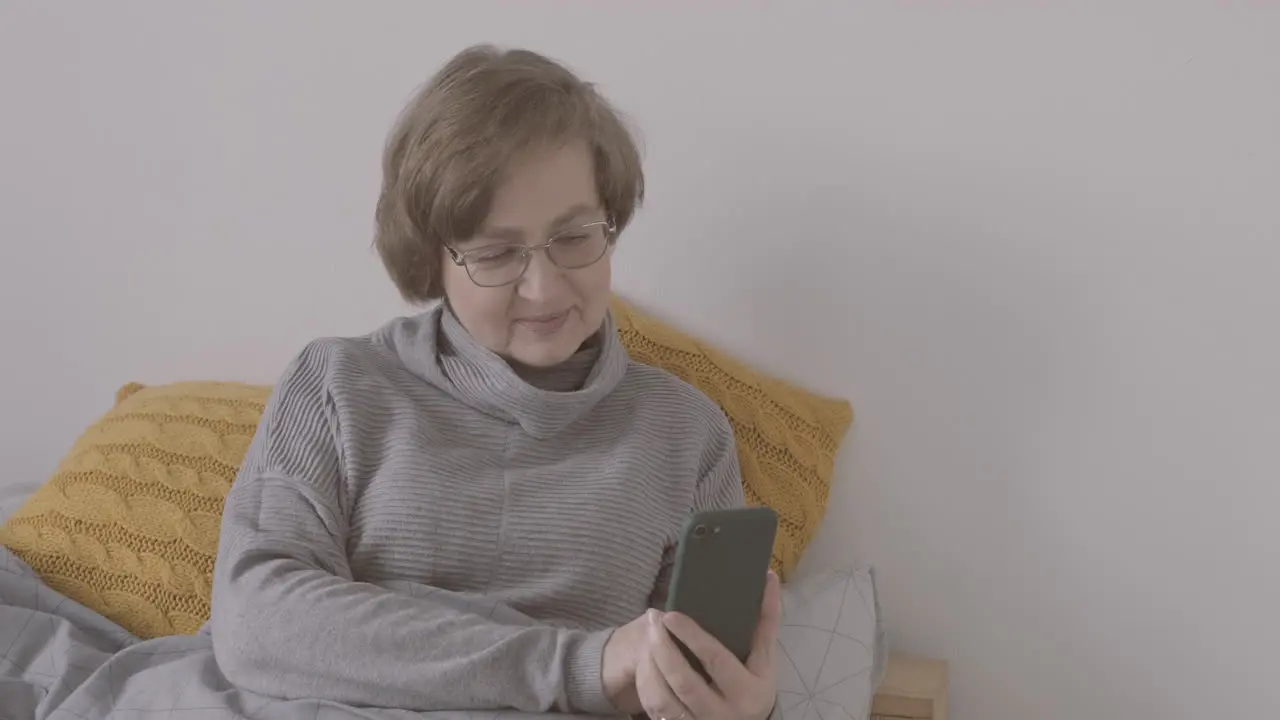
726 672
761 661
656 696
737 690
686 684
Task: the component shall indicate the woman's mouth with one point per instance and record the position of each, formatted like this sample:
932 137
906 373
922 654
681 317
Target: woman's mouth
542 325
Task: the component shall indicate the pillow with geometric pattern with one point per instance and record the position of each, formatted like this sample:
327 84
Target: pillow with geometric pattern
832 650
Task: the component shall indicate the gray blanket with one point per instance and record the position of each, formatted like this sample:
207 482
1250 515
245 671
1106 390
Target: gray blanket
61 661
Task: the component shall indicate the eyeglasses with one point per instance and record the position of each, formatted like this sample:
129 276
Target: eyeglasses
505 263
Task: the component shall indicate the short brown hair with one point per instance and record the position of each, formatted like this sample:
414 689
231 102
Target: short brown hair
451 143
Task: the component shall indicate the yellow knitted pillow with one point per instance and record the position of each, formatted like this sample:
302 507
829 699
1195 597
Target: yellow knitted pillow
787 436
128 524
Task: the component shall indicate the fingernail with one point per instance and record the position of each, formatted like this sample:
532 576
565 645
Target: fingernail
655 617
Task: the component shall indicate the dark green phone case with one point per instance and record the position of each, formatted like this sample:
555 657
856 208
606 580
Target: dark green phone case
720 573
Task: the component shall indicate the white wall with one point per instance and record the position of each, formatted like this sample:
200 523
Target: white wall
1038 247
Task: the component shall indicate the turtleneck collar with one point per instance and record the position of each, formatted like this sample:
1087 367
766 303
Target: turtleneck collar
543 401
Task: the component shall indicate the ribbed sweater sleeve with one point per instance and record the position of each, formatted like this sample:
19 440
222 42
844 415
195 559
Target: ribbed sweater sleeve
290 621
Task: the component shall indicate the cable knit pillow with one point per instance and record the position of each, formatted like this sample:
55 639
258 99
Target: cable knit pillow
787 436
128 524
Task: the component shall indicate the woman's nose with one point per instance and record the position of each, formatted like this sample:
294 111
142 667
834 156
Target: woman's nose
542 278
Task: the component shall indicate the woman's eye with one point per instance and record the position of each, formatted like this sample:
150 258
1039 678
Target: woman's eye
496 255
573 239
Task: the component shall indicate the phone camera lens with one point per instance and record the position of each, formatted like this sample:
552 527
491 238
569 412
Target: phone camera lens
700 531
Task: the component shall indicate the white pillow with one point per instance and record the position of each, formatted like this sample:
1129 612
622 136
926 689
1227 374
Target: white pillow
832 647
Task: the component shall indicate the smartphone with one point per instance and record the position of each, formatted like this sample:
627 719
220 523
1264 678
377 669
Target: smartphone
720 572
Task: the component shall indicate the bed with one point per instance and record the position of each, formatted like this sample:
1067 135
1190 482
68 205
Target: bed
63 661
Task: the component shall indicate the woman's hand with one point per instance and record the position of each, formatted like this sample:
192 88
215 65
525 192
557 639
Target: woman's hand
668 688
622 655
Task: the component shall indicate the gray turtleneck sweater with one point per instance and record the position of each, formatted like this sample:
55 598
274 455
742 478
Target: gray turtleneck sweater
419 525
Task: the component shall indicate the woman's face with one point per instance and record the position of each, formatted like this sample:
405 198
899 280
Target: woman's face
545 316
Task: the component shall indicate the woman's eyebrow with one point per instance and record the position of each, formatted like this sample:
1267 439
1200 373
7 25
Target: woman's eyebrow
514 234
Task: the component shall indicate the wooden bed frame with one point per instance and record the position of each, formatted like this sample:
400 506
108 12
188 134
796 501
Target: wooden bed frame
912 689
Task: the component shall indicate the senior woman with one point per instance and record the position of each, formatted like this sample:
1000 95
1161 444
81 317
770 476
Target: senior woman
475 507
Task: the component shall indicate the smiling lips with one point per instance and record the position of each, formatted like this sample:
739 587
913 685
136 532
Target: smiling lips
543 325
